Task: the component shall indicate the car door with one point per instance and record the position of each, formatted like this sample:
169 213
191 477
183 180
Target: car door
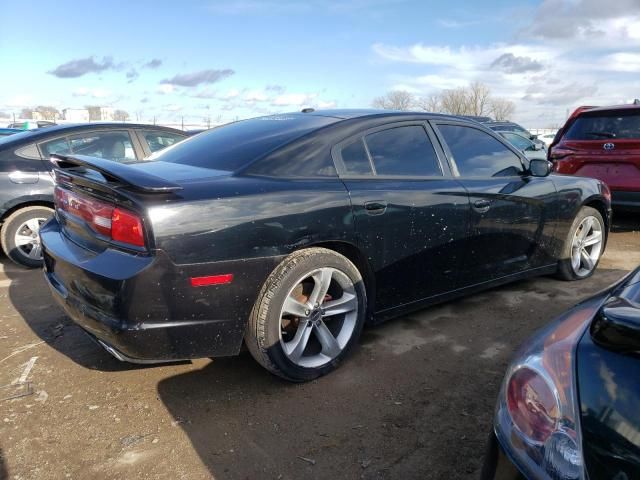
512 213
410 214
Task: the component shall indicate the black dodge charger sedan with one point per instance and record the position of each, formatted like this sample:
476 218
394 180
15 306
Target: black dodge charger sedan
290 232
568 407
26 183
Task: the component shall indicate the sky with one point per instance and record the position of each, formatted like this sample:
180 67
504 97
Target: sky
223 60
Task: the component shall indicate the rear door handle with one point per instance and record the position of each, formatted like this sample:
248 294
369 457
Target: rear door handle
482 206
375 207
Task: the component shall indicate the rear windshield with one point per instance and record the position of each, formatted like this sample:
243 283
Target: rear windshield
605 125
233 146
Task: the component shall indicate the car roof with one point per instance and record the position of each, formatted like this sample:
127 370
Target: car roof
610 108
27 136
347 114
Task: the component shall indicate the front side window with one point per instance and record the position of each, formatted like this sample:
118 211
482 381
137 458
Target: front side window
405 151
157 140
478 154
111 145
519 141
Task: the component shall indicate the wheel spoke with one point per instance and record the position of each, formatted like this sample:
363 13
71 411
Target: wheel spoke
295 347
330 346
593 239
586 259
345 304
586 227
294 307
22 240
36 252
34 225
322 281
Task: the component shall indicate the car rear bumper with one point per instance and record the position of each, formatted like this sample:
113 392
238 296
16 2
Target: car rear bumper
143 308
621 199
497 465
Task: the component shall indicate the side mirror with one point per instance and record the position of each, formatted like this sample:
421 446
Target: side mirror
616 326
539 167
538 146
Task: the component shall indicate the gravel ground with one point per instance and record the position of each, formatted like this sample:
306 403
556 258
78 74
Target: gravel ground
414 401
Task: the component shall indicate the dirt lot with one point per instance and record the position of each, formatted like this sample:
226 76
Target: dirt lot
414 401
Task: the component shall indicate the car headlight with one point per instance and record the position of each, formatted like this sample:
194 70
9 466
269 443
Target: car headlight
537 419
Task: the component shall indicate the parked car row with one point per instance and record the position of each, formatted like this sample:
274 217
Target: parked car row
26 181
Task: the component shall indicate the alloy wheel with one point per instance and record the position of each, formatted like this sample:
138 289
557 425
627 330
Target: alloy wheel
318 317
586 246
27 239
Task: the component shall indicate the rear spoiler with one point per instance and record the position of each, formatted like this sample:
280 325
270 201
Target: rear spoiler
113 171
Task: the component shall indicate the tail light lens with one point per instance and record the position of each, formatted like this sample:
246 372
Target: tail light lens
103 218
537 416
557 153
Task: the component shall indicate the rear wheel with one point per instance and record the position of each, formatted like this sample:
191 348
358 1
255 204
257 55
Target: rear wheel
583 246
20 235
308 316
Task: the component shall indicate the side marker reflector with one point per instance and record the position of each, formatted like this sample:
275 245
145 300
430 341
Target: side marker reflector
212 280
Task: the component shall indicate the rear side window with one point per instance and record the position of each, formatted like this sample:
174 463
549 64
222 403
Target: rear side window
403 151
478 154
605 125
59 145
158 140
355 159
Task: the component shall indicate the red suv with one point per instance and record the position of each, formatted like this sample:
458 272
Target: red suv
603 143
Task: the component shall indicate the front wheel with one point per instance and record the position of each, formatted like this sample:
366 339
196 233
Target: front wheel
583 246
20 235
308 316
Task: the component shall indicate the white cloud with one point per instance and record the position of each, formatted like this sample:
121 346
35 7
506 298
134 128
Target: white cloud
255 96
91 92
294 99
165 88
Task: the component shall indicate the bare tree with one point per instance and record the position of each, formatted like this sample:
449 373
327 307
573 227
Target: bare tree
48 113
455 101
121 115
95 112
431 103
26 113
501 109
395 100
478 95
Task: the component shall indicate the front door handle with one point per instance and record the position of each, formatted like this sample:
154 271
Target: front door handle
482 206
375 208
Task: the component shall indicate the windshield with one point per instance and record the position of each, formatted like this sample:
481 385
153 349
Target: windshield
605 125
518 140
235 145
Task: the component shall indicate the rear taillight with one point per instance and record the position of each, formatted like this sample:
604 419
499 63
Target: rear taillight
103 218
537 418
557 153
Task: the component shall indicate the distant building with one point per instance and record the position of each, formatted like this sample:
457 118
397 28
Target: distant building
106 114
76 114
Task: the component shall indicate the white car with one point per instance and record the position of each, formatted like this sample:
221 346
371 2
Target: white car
547 138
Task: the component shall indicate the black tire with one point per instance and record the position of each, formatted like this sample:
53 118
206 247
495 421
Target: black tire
10 228
263 334
566 271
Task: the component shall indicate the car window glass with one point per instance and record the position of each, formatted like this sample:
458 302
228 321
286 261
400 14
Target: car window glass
518 141
403 151
59 145
355 159
111 145
603 126
478 154
157 140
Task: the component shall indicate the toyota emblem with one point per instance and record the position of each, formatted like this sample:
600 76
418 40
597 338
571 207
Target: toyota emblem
609 146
